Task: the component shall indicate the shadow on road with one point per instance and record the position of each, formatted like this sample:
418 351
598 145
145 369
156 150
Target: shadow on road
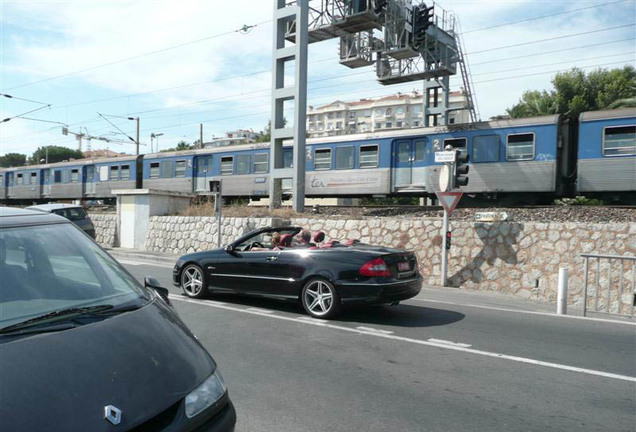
399 316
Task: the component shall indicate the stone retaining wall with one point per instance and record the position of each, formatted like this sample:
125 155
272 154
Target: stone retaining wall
518 258
105 228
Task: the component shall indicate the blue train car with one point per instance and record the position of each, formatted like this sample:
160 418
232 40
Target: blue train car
102 176
607 154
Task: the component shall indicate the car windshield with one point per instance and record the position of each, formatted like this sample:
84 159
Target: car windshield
51 268
73 213
264 239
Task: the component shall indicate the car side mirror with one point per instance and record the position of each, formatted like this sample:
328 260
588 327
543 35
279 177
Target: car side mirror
229 248
150 282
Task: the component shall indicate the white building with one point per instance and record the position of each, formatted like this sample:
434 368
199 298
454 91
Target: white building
241 136
398 111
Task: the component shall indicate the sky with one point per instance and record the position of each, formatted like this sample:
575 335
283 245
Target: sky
177 64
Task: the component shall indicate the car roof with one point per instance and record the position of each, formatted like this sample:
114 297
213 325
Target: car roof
53 206
10 217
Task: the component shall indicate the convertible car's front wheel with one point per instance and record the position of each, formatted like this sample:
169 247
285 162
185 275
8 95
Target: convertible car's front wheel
320 299
193 281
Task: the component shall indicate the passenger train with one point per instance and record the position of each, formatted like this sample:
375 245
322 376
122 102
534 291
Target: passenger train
525 160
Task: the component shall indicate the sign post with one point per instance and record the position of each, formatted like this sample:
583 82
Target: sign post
215 188
448 200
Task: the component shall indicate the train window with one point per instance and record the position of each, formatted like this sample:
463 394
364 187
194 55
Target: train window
19 180
288 159
322 159
420 150
180 168
47 176
344 157
404 152
74 176
368 156
57 176
486 148
103 173
166 169
1 180
201 166
520 147
9 180
243 164
619 141
154 170
260 163
90 173
114 173
457 143
210 164
227 165
34 178
125 172
66 176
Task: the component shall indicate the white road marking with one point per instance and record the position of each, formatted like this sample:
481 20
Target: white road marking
371 329
267 311
528 312
141 263
442 341
319 323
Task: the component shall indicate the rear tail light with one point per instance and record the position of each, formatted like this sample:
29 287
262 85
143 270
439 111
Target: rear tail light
376 267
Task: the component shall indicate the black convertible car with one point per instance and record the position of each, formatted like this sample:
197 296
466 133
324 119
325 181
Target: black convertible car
322 276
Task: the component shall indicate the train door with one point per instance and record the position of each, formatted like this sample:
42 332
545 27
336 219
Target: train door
89 180
10 181
408 163
203 173
288 162
45 179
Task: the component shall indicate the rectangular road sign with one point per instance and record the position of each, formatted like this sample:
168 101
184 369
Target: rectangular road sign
449 200
445 156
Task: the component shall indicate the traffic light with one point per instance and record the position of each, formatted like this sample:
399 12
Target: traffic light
449 237
380 5
422 19
461 169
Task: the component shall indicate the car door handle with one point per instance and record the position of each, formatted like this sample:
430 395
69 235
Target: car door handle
271 258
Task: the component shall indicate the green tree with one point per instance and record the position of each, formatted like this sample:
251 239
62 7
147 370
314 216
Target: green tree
12 160
266 134
181 146
575 92
55 154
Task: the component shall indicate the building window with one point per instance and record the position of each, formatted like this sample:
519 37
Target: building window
114 173
166 169
367 113
339 114
399 110
243 164
486 148
154 170
520 147
330 116
338 125
457 143
227 165
378 125
352 115
322 159
125 172
344 157
416 123
19 180
74 176
389 111
389 125
368 156
180 168
260 163
379 111
398 124
619 141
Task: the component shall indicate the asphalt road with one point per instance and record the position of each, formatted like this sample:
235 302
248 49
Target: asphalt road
454 363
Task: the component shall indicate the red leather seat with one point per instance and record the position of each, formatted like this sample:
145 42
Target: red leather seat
286 240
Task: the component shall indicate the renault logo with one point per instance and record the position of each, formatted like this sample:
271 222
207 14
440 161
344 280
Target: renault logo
112 414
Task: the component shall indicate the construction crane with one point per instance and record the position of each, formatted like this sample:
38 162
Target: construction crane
79 136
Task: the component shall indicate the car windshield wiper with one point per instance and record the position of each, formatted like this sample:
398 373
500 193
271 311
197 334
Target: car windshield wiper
53 316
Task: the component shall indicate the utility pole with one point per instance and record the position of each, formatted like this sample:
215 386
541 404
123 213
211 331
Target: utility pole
137 119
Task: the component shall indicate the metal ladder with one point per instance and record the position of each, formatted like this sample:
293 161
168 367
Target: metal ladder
467 79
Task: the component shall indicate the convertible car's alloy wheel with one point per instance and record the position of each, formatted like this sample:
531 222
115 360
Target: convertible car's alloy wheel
193 281
320 299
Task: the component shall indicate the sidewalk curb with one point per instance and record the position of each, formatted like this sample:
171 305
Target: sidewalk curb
143 256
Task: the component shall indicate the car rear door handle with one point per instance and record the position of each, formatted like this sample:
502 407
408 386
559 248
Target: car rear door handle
271 258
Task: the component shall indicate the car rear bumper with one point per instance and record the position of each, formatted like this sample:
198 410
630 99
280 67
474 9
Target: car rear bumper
370 293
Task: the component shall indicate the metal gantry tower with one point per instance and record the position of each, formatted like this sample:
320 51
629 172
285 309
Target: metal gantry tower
409 40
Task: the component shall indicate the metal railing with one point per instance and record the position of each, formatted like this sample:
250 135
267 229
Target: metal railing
606 297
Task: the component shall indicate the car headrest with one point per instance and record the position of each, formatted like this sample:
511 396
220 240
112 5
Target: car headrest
351 242
286 240
319 236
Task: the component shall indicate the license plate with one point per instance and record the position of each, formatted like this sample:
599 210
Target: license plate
404 266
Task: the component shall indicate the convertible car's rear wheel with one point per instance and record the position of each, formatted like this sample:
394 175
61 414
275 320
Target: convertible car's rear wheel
193 281
320 299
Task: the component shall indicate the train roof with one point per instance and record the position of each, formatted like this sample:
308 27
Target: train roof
75 162
607 114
